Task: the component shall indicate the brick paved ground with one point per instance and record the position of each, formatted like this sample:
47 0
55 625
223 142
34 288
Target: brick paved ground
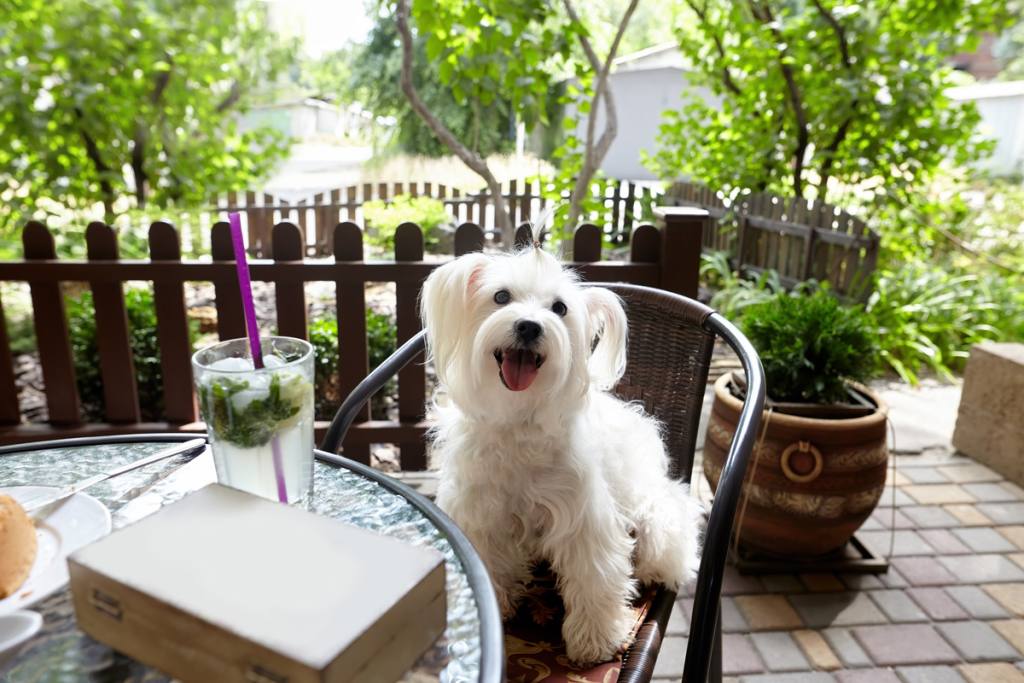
950 609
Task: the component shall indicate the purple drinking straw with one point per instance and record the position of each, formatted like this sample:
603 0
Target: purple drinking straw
249 308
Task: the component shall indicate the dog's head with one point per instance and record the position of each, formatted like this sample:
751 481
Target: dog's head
516 332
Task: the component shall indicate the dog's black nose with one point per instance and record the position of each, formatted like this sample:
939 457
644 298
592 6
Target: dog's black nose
527 331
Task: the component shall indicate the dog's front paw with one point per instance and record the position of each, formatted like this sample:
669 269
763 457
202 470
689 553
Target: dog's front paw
508 600
595 636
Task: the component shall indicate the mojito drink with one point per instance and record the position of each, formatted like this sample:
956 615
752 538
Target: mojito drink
260 420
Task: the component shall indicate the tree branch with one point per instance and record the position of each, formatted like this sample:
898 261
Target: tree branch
764 15
593 154
829 152
102 170
231 99
837 28
141 136
474 161
702 14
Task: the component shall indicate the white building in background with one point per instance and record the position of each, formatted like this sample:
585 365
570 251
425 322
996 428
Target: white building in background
647 83
1001 105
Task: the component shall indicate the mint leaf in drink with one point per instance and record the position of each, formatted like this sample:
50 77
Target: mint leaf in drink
252 423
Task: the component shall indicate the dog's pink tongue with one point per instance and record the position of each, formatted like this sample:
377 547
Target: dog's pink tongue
518 369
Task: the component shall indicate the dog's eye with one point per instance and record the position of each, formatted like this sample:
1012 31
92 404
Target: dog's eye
558 308
502 296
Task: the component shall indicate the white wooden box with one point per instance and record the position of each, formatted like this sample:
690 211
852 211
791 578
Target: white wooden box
225 586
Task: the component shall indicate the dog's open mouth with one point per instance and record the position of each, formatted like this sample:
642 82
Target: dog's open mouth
517 368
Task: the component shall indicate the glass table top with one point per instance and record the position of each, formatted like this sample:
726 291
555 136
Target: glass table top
60 652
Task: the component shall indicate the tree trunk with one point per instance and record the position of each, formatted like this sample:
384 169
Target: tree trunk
474 161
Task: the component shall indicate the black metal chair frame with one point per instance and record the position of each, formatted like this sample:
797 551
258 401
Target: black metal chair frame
703 651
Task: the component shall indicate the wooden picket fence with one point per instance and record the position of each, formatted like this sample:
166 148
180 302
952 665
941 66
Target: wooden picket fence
624 206
665 256
798 239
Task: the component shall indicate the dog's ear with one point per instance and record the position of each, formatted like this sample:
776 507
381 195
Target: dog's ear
608 323
444 307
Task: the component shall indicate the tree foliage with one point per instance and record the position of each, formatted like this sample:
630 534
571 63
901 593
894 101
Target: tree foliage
375 70
814 98
106 99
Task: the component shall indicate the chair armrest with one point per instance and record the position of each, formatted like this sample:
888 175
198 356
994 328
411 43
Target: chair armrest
373 383
723 510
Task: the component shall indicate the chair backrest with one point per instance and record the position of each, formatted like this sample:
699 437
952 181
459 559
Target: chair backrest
667 364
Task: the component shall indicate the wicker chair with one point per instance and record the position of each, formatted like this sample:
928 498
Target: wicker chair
670 344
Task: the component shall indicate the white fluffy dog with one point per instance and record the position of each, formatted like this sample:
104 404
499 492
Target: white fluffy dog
538 461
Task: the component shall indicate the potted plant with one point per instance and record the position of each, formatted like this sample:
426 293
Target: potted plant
819 468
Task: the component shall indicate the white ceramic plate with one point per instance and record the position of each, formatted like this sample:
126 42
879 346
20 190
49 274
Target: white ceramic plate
15 629
78 521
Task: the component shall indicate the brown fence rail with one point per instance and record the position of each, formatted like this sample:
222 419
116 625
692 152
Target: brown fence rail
624 206
666 256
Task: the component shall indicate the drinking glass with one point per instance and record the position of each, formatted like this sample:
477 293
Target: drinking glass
259 420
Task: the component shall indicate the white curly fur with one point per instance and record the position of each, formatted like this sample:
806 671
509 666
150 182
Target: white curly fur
561 471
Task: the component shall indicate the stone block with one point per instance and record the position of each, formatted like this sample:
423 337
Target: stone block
990 422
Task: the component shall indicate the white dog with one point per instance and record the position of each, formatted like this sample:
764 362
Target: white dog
538 461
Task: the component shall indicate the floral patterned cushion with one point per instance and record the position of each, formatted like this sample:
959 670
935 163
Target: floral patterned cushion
534 649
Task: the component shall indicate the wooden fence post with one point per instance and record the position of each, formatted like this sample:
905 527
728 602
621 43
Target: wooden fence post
412 378
682 230
172 329
226 297
10 410
52 336
120 391
352 342
290 296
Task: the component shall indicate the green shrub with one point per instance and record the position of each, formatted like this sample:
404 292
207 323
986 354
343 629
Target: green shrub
381 337
383 218
810 345
733 293
929 317
145 352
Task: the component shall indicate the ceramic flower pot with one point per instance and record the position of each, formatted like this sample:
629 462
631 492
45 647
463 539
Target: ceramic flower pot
816 480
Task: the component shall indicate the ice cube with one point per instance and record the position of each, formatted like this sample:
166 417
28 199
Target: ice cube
231 364
273 361
241 400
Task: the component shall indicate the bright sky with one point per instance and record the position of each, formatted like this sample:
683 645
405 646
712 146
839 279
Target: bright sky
324 25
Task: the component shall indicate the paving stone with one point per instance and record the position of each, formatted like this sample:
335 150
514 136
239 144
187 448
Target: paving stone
944 542
739 655
922 416
1003 513
846 647
781 583
893 579
1013 488
679 619
925 475
822 583
900 497
817 650
938 494
930 516
734 583
861 581
806 677
990 493
768 612
904 542
871 524
819 610
977 641
969 473
984 540
671 657
977 602
969 515
732 620
1012 630
929 674
1009 595
779 651
923 571
904 644
1000 672
867 676
898 478
898 606
1018 559
1013 534
937 603
977 569
885 518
